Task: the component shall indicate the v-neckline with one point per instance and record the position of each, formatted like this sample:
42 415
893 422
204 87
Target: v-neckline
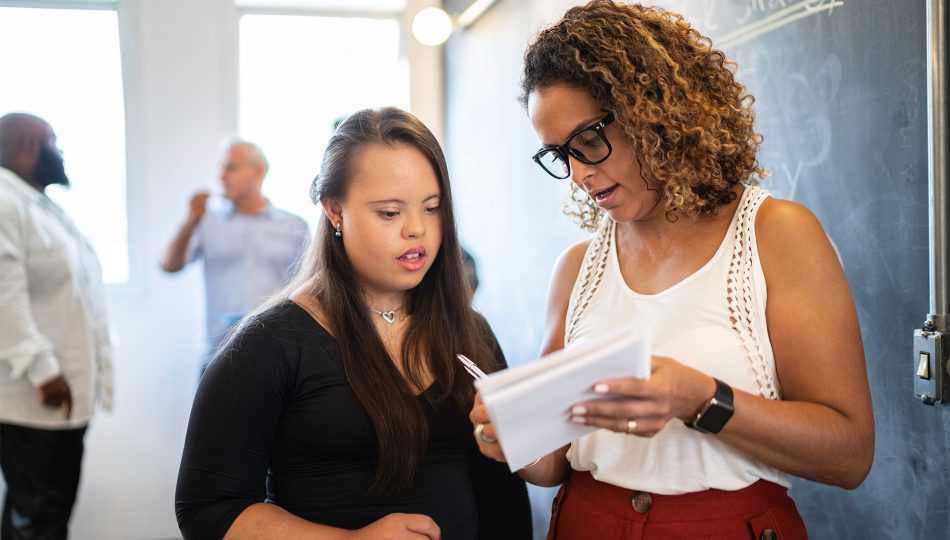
614 258
319 324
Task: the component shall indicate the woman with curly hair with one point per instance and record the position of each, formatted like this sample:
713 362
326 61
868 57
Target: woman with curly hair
758 370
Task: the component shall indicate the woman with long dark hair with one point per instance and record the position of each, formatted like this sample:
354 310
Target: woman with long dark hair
758 370
338 409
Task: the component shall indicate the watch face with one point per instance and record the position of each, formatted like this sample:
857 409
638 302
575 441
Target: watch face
714 418
717 411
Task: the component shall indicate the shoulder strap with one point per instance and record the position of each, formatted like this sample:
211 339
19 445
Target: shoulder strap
590 276
743 312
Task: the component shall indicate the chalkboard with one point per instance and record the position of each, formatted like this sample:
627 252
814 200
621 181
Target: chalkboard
841 99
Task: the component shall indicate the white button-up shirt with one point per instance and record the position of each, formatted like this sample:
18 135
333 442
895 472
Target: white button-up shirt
52 311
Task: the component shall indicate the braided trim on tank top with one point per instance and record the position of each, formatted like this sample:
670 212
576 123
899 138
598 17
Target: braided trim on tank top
740 297
591 275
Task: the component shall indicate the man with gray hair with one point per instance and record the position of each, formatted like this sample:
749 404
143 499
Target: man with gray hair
55 355
249 246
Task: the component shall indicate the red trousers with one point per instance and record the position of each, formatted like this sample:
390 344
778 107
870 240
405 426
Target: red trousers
586 509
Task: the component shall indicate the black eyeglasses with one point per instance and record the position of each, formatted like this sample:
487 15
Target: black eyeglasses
588 145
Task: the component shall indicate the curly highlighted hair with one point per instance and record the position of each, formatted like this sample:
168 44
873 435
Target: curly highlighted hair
675 97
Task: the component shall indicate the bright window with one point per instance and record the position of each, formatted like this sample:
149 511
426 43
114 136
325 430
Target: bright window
390 6
301 73
63 65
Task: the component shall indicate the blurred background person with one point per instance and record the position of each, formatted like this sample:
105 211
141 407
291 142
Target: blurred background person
470 267
55 355
249 246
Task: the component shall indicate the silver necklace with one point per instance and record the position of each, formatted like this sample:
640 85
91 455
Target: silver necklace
388 316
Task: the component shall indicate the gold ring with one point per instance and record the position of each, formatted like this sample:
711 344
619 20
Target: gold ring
480 433
631 426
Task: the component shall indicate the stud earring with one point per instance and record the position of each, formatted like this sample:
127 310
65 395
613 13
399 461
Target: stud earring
339 232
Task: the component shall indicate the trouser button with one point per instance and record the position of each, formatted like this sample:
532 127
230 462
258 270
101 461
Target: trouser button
642 502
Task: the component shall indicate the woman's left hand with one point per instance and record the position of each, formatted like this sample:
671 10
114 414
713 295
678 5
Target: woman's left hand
644 406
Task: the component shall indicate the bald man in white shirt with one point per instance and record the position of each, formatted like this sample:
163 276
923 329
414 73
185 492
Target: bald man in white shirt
55 357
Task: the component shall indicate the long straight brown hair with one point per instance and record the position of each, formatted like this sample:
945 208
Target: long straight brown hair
442 321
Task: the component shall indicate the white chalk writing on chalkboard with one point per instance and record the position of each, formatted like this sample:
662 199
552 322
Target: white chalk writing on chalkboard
788 14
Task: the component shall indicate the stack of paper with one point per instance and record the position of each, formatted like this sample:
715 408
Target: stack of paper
530 405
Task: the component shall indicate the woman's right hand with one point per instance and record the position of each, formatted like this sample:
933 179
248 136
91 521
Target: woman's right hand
399 527
479 417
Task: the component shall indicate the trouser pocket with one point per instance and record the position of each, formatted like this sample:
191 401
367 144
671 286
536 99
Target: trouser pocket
764 526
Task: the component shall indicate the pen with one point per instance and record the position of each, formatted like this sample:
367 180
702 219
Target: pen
471 367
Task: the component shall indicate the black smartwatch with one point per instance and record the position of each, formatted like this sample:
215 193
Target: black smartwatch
716 412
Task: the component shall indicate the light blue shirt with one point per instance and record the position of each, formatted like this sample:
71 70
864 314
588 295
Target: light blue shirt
247 258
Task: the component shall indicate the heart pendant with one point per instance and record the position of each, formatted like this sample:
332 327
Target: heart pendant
388 316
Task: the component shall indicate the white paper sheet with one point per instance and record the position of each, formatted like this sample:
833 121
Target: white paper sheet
530 405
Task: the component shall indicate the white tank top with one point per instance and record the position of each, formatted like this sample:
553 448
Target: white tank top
714 321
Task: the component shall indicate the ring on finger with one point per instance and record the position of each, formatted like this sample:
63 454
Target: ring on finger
480 433
631 426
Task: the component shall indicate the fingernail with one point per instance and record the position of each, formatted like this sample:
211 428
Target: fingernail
601 388
578 420
578 409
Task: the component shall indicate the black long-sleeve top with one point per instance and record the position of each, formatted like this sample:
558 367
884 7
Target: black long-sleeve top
275 420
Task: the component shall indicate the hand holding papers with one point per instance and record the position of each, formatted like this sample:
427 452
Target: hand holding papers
529 405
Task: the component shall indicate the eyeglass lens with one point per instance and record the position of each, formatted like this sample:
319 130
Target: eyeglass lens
588 146
553 164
